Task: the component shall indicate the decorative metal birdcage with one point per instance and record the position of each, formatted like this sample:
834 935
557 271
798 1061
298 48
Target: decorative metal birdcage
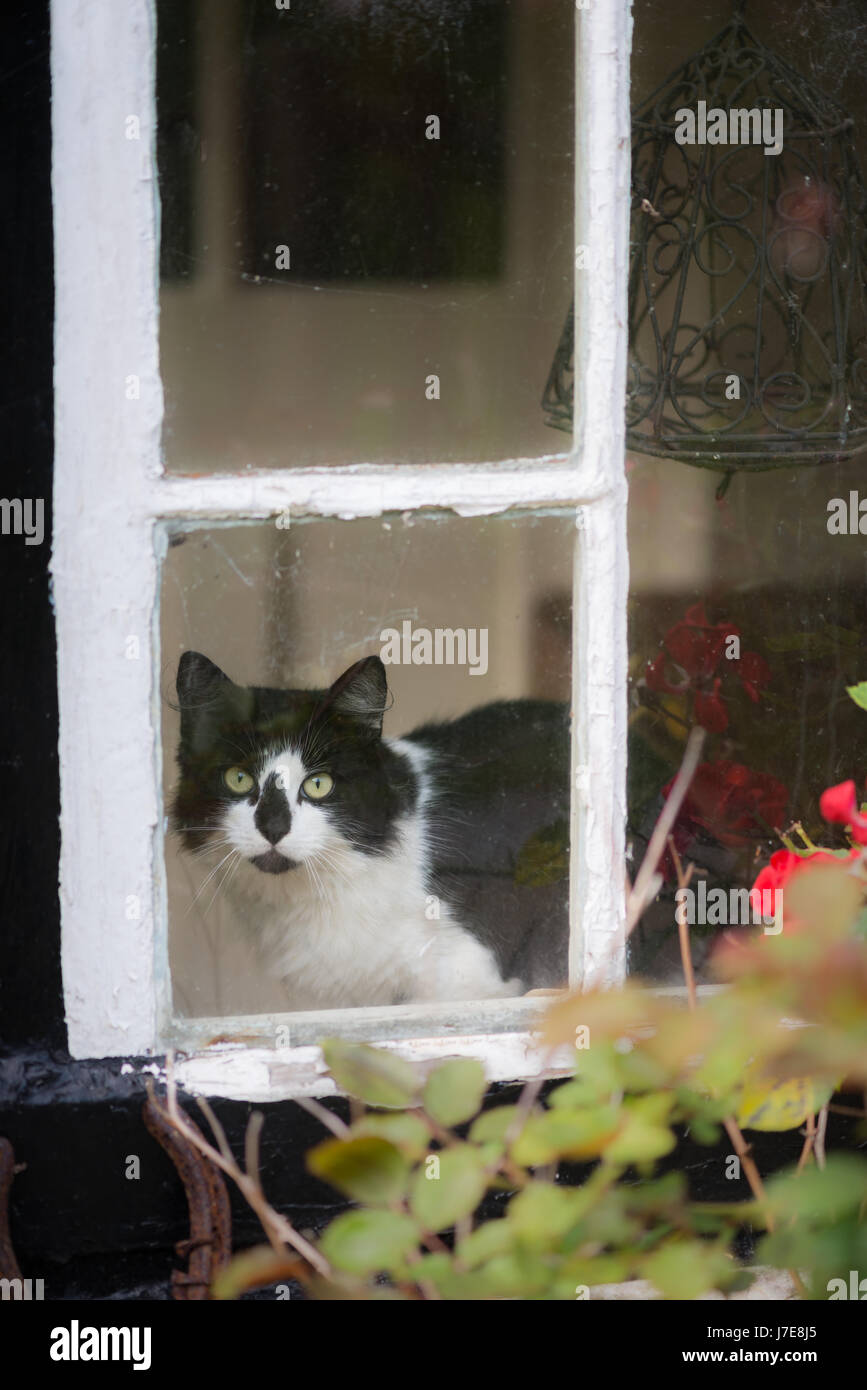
747 302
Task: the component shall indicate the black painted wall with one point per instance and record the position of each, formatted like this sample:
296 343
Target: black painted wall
29 835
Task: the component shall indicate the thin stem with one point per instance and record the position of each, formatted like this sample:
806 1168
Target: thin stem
751 1172
821 1130
639 897
809 1142
683 881
279 1231
325 1117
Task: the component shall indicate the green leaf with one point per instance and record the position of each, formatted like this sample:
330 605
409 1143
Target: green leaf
364 1167
407 1132
766 1104
543 1212
453 1092
587 1270
608 1222
575 1095
429 1267
821 1252
544 858
684 1269
643 1137
665 1194
374 1076
444 1191
455 1285
366 1242
858 693
565 1134
491 1125
491 1238
517 1274
704 1131
820 1195
252 1269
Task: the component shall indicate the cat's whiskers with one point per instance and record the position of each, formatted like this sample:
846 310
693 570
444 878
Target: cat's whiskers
233 858
318 885
311 745
234 869
211 848
215 870
326 859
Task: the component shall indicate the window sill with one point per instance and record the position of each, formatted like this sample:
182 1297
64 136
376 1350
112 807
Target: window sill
244 1064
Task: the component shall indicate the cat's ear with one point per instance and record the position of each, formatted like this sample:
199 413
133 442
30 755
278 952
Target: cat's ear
208 701
198 680
361 693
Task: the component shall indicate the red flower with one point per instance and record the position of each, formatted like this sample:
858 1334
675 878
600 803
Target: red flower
753 671
709 710
840 806
658 676
783 866
697 645
691 655
733 803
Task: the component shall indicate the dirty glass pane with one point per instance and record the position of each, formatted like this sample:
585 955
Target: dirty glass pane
366 228
433 871
748 587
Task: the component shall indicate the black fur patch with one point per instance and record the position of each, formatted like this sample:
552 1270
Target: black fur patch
338 731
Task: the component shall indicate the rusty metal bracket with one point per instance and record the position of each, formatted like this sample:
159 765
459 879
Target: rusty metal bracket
209 1245
8 1264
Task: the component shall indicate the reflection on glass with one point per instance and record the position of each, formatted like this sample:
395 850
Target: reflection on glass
747 604
366 742
366 228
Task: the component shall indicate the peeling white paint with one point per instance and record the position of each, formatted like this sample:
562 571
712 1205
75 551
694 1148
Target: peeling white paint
103 568
602 159
110 491
259 1074
370 490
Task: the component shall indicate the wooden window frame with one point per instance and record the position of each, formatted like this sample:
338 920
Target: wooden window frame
112 500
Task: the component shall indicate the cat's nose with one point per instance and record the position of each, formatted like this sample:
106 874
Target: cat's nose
273 819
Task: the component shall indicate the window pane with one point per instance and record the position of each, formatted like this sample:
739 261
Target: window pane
366 229
435 871
747 595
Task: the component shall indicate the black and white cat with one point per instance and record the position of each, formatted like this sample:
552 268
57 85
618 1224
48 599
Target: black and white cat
374 870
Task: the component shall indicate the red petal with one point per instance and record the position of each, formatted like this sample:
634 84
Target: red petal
754 668
687 647
710 712
696 616
838 804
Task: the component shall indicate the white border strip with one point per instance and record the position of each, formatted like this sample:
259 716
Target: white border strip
366 490
103 568
602 145
255 1074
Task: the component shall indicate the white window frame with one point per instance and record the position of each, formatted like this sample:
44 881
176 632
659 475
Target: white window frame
111 498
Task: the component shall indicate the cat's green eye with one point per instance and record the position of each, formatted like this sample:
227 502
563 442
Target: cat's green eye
238 781
317 786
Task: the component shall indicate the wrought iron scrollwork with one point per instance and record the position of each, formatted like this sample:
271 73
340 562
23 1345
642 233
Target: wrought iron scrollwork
747 302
